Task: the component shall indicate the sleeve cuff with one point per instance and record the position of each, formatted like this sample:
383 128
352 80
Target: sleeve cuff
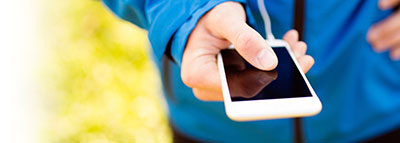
181 36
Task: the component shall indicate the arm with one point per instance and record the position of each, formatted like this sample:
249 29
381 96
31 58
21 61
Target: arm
165 20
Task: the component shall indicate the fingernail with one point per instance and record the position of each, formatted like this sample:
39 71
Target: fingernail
267 59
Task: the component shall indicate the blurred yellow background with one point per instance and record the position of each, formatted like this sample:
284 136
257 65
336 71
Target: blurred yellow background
101 85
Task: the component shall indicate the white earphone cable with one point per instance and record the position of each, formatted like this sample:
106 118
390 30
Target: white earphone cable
267 21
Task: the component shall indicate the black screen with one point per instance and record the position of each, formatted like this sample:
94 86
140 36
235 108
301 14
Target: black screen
246 82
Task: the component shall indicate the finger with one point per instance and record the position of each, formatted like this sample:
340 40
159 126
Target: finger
208 95
395 53
306 62
248 42
379 31
387 4
292 37
389 41
254 49
300 49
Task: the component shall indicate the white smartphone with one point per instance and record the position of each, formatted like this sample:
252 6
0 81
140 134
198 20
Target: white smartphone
253 94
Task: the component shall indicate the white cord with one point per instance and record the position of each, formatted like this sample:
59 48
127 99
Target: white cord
267 21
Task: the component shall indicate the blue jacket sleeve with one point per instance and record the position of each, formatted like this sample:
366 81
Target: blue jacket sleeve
168 22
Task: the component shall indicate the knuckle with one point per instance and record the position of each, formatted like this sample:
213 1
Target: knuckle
302 44
188 79
243 40
310 59
218 18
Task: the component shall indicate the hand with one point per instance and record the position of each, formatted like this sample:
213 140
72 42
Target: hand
385 35
226 24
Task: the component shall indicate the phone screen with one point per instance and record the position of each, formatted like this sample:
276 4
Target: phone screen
246 82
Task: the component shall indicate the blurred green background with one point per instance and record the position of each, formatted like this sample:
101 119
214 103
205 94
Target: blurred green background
100 83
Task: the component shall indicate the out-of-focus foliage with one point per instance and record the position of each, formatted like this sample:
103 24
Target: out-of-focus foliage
100 83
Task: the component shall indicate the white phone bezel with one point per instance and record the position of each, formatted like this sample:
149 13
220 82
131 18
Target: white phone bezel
269 108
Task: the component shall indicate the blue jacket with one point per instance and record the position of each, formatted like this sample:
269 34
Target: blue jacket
359 88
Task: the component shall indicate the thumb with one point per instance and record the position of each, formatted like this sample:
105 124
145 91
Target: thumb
252 46
249 43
